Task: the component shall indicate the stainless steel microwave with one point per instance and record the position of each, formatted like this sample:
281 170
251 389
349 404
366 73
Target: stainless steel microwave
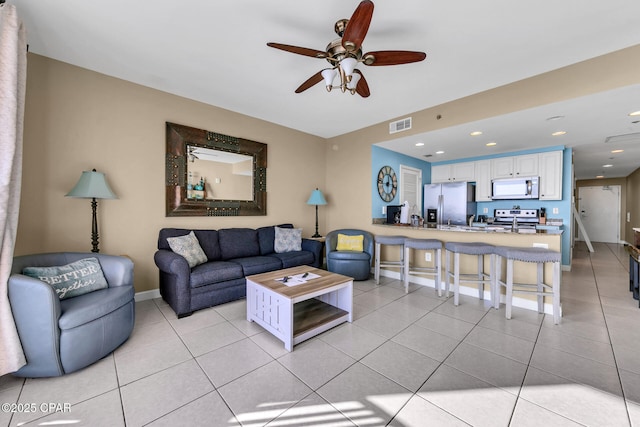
525 187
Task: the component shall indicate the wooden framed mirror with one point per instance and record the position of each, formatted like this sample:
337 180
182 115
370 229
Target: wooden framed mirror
210 174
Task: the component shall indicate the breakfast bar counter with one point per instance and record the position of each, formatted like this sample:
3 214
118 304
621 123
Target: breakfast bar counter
523 237
550 238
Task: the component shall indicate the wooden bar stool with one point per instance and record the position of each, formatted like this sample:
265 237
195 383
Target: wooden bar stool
389 241
480 278
435 272
540 256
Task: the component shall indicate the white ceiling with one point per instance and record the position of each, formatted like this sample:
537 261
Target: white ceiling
215 52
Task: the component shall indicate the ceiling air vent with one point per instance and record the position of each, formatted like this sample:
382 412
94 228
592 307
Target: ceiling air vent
619 139
400 125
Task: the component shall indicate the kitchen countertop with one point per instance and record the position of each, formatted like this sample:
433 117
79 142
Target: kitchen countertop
478 229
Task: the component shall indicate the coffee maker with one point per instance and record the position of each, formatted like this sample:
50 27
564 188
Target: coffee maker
393 214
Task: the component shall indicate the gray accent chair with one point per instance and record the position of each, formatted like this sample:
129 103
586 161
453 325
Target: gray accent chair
349 263
63 336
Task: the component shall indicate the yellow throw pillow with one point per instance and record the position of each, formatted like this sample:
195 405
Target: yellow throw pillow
350 243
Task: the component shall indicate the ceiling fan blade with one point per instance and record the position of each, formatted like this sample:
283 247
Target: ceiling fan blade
358 26
311 81
299 50
362 88
392 57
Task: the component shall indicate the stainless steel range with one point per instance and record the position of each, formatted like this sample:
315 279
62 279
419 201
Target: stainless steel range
526 218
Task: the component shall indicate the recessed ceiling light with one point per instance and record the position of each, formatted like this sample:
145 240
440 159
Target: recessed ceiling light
599 176
616 151
419 144
635 113
491 144
550 119
559 133
475 133
440 152
607 166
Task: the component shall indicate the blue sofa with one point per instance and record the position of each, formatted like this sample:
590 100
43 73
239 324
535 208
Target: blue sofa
232 254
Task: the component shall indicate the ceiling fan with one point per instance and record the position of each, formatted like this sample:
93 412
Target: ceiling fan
345 52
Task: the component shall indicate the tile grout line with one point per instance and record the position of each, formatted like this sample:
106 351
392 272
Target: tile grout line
606 324
415 394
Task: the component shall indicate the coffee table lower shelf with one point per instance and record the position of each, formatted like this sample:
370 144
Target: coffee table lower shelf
313 316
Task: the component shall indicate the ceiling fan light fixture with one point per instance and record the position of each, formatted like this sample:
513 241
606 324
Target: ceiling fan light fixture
351 85
329 75
348 64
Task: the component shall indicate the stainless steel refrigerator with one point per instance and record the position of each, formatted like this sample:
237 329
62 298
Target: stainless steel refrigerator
449 203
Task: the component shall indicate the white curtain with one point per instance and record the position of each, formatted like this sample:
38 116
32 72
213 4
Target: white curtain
13 70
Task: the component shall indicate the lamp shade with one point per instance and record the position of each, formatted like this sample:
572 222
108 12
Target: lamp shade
328 74
316 198
348 64
92 185
354 81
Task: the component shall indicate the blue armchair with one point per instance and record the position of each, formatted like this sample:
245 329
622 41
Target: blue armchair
355 264
63 336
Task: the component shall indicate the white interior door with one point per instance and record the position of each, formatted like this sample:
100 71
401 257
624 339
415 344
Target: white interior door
599 210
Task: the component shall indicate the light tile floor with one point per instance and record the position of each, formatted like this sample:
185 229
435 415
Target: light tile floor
407 360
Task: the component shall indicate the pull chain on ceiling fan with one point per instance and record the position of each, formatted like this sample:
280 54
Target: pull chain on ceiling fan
345 52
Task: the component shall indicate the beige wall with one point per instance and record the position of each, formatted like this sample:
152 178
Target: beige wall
633 205
77 120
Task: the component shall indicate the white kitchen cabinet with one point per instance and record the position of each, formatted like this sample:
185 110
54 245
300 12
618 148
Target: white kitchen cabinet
441 173
550 166
526 165
465 171
483 180
514 166
502 167
547 165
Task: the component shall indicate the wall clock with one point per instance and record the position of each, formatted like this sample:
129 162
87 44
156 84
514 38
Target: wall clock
387 183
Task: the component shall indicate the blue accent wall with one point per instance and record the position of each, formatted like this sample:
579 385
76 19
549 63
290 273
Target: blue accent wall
382 157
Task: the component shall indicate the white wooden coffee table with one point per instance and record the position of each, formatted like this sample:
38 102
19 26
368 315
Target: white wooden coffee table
301 308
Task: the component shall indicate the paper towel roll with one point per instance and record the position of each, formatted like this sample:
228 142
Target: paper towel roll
404 213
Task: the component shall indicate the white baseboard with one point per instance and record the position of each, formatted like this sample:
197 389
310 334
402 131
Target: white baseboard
145 295
472 292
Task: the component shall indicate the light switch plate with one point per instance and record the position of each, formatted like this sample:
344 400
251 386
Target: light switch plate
556 211
427 256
